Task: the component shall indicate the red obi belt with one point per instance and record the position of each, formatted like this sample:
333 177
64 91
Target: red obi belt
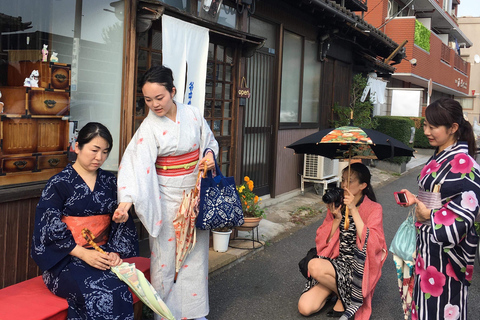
98 225
173 166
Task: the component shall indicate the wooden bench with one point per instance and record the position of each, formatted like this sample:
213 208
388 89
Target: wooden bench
28 300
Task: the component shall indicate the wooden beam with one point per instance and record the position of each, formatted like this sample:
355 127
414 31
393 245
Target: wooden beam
390 57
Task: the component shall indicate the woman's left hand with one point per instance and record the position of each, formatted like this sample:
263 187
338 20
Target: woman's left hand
210 162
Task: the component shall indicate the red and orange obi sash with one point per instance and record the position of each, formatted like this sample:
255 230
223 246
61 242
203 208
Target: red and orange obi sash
98 225
173 166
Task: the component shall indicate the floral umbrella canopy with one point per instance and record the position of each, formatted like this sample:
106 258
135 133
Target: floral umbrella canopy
351 142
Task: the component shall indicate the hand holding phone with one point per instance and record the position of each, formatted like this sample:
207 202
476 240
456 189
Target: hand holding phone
401 197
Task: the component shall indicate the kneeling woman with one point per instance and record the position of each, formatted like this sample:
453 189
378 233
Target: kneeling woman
349 262
85 196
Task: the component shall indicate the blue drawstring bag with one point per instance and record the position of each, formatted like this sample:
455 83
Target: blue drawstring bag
220 204
405 240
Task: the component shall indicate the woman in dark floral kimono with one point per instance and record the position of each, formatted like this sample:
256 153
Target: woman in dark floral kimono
85 196
446 238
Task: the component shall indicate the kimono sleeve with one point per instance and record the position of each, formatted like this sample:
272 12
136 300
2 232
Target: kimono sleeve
457 216
52 241
137 178
331 248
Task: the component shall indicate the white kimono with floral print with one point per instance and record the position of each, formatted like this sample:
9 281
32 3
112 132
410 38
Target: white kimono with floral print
157 198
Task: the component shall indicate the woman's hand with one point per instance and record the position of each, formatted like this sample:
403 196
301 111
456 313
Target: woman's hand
422 212
411 198
209 160
121 213
115 259
92 257
336 211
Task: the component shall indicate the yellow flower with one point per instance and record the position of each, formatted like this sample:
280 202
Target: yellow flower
241 189
246 179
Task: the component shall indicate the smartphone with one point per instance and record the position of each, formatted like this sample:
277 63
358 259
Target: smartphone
401 197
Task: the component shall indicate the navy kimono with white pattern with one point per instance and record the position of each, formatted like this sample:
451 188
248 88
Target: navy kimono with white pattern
91 293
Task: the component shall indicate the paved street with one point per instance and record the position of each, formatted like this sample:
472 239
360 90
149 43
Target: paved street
267 285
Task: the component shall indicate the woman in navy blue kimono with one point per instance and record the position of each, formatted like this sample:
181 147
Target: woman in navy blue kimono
85 196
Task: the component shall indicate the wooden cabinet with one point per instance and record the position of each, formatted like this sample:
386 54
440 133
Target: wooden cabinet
34 123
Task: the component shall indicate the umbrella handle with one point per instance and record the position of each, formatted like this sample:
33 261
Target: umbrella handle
347 221
200 175
88 235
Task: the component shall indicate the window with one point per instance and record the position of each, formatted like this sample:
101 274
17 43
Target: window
300 81
87 40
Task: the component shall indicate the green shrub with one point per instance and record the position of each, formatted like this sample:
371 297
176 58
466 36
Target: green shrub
422 36
398 128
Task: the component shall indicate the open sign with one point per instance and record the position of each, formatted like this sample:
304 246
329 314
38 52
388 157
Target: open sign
243 91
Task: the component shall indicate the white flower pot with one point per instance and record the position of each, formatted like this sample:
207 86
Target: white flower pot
220 240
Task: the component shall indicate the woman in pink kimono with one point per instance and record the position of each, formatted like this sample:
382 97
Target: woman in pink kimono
172 134
349 262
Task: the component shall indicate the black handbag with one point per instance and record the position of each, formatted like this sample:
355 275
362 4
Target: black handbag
303 264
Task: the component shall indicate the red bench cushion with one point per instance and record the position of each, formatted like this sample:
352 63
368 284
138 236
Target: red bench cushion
31 300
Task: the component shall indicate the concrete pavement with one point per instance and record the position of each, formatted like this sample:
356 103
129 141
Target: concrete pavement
290 212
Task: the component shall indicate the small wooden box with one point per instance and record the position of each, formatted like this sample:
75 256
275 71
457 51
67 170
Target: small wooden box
52 135
14 100
18 164
48 102
19 135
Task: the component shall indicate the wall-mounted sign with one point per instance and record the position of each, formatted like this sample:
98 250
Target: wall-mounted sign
243 91
460 83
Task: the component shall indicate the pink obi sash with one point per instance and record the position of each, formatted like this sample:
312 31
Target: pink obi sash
173 166
98 225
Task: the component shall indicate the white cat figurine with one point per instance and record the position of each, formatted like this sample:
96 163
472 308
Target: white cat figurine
32 81
53 57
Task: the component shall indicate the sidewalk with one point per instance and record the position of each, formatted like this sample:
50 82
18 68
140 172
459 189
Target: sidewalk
277 223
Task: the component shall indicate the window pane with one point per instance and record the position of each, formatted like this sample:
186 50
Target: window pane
227 91
228 73
156 59
142 60
264 29
219 53
157 40
183 5
291 67
143 39
227 110
219 72
218 90
311 83
208 89
226 127
218 109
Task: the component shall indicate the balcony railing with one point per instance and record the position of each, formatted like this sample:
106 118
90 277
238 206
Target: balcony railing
460 64
445 53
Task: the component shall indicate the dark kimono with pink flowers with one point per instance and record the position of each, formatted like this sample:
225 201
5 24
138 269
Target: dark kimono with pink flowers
446 245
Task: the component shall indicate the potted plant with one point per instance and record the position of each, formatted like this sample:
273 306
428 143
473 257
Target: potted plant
221 238
252 212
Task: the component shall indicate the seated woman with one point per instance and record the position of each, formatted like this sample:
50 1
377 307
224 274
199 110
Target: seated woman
85 196
349 262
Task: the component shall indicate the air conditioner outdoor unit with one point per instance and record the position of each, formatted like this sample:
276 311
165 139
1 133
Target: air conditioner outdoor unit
319 170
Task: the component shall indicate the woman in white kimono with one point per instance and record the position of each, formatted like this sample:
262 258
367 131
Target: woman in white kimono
172 134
